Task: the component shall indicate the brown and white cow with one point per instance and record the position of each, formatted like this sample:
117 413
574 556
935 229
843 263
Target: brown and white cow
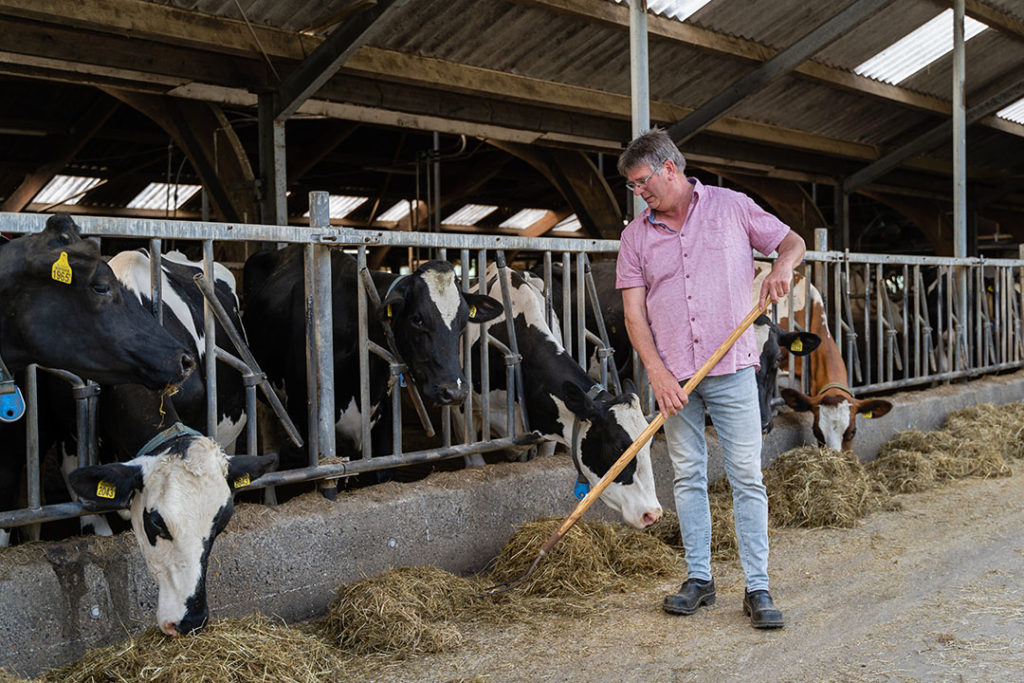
831 400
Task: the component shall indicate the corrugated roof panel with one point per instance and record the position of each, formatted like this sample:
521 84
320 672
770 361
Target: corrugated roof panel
569 224
1015 112
680 10
399 211
340 205
917 49
65 189
469 214
523 219
163 196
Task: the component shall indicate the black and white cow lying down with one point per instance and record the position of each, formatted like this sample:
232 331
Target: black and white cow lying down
180 498
426 310
559 393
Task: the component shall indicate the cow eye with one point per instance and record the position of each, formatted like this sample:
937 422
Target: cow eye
155 526
416 320
101 288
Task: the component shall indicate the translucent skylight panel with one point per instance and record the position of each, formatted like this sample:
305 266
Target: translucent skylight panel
398 211
469 214
523 219
675 9
1014 112
163 196
65 189
918 49
569 224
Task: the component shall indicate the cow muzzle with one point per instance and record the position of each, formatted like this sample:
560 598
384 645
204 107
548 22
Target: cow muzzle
449 393
189 624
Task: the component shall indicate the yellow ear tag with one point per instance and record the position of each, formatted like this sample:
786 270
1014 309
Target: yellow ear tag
61 270
472 311
868 414
243 480
796 346
389 310
106 490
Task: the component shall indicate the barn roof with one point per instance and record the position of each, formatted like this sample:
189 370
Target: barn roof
511 87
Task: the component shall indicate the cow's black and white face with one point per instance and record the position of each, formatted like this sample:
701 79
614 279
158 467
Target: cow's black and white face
771 340
180 499
428 312
610 426
61 306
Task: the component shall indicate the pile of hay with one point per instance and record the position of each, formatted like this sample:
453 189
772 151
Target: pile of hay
978 441
818 487
402 611
666 530
228 650
592 557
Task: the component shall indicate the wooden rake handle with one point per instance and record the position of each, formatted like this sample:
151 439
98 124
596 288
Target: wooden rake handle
650 430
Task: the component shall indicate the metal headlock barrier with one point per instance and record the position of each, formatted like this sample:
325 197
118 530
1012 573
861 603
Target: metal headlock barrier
899 321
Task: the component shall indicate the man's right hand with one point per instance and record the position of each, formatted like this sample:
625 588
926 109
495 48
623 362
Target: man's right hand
668 392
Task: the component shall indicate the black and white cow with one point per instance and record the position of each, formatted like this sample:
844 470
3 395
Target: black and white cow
180 498
183 318
426 311
769 337
562 399
61 306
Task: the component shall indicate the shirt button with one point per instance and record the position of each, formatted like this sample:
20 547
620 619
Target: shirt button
696 341
685 255
692 319
689 297
687 277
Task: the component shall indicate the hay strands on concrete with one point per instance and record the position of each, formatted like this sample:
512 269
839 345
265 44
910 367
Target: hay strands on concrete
629 453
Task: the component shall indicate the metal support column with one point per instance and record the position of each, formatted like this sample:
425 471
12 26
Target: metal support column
639 78
323 326
273 169
960 165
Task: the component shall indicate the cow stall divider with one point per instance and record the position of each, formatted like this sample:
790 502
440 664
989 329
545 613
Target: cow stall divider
908 327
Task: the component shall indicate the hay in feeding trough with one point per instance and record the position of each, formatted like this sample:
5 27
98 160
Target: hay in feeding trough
592 557
991 427
818 487
666 530
228 650
402 611
904 471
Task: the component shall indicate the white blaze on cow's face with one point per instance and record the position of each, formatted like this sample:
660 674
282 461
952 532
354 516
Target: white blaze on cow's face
444 293
833 421
183 505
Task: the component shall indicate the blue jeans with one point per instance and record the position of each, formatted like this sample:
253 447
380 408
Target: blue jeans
731 400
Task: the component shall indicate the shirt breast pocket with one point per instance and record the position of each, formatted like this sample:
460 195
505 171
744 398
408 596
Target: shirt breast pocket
719 234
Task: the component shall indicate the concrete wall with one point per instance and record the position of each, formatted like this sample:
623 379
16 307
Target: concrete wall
59 599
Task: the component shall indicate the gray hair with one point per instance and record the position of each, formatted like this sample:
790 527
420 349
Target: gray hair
652 149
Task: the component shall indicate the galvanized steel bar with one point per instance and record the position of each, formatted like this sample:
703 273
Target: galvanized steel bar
323 327
581 314
364 352
33 492
156 280
210 339
566 304
485 359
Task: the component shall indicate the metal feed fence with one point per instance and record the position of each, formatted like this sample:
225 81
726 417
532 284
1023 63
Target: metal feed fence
899 321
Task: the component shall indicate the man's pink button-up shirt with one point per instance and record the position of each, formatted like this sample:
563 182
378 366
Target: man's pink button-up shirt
699 280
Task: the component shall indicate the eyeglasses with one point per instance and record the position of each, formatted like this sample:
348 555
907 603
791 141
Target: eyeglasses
631 185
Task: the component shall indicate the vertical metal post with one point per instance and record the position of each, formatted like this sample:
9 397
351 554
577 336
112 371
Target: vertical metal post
323 325
639 78
581 313
485 359
960 157
273 162
436 199
364 354
156 280
210 330
566 303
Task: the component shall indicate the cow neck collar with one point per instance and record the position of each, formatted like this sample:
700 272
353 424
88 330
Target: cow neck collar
835 385
592 394
175 431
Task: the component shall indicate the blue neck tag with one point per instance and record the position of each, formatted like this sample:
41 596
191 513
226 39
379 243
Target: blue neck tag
12 405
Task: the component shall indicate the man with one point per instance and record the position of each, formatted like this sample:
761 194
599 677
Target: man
686 269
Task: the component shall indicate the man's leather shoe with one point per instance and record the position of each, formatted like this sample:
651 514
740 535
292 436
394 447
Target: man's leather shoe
762 612
692 594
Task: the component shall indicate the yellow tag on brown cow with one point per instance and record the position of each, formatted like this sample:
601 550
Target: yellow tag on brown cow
389 310
472 312
61 270
796 346
243 480
105 489
868 415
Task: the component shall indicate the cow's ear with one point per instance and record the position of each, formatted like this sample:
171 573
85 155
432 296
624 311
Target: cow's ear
797 400
581 405
482 308
875 407
61 229
106 486
243 469
799 343
393 304
628 387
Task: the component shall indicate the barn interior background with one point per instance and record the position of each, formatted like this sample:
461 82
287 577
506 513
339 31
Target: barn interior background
505 118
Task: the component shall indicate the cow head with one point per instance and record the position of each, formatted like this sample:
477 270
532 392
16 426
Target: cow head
771 340
428 312
609 425
61 306
835 414
180 499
